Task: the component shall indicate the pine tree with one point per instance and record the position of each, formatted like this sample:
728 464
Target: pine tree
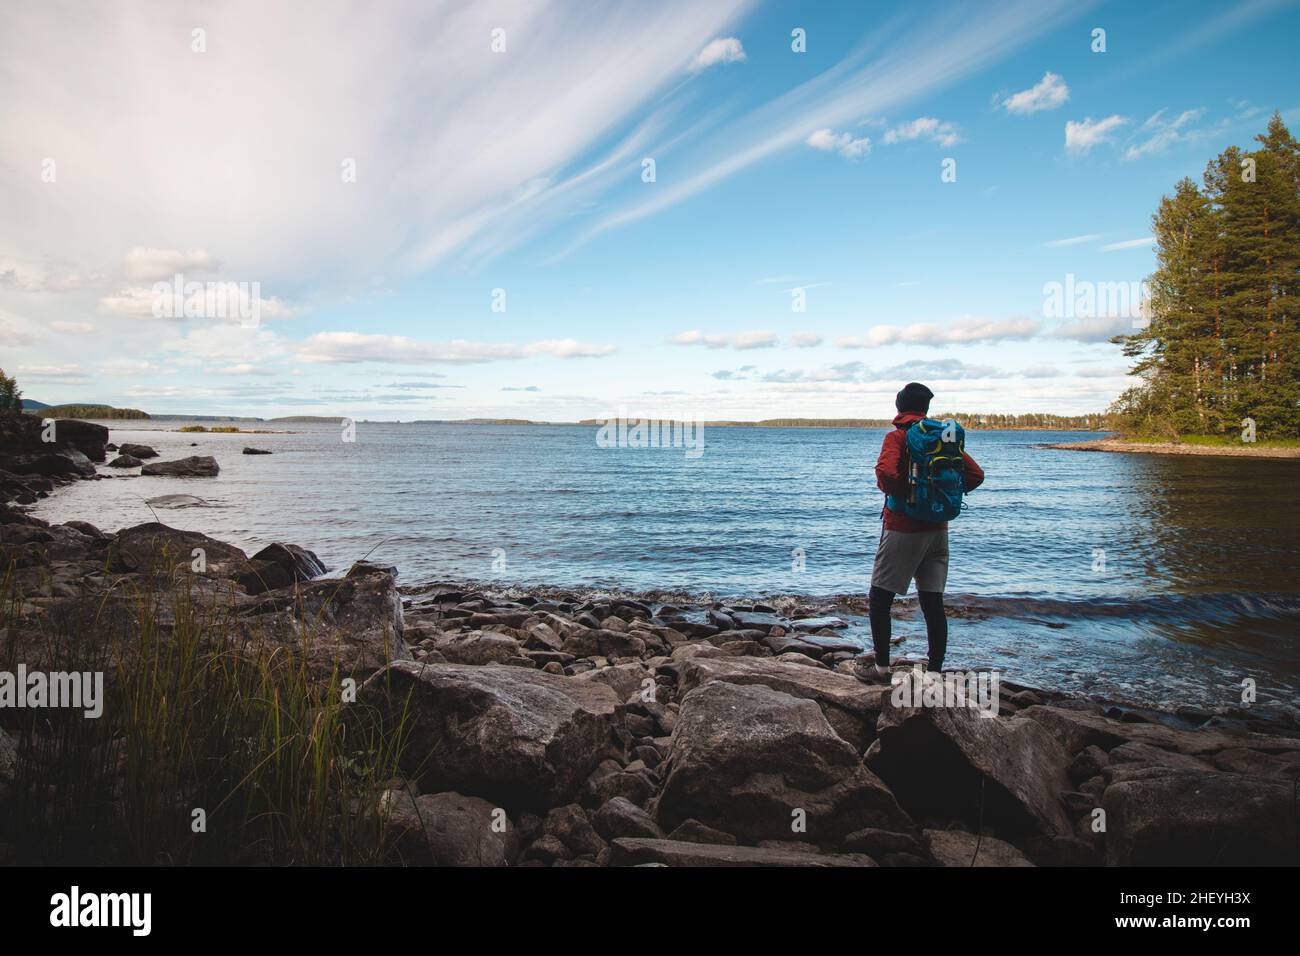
1222 341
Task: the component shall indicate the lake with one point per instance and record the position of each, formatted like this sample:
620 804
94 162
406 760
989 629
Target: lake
1162 579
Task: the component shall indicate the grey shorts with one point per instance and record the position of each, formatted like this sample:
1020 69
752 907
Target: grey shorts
904 555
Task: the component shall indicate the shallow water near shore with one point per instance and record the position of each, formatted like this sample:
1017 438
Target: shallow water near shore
1162 580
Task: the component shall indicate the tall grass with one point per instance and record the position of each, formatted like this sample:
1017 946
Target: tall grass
200 716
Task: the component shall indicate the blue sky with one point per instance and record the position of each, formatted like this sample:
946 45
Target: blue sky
223 153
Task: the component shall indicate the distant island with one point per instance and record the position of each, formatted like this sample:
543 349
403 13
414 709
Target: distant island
81 411
1032 421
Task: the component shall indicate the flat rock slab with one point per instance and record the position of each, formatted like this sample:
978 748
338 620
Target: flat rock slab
850 706
1077 729
1167 816
959 848
629 851
818 623
520 737
196 466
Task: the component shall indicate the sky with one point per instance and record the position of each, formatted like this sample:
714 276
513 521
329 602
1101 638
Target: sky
561 210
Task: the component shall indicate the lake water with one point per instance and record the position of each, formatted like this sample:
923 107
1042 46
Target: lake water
1167 580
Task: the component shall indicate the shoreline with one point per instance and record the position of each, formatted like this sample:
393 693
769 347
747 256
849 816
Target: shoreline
1120 446
615 731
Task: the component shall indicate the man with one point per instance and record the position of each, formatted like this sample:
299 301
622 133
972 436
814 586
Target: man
909 548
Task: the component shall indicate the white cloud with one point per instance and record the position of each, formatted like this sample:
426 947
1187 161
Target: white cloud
399 349
1096 329
1164 134
1072 241
721 50
921 61
142 264
72 328
1129 244
243 368
50 372
1047 94
927 128
962 332
239 167
842 143
1081 137
805 340
737 340
1041 371
26 277
226 301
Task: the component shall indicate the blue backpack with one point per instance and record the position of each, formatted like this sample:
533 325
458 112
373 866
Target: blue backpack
935 472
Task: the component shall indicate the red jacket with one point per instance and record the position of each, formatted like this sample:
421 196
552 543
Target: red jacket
891 475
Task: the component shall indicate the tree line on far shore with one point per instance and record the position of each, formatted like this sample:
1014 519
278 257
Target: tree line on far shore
1221 345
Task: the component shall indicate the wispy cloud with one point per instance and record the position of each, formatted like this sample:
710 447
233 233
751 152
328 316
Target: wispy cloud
1072 241
735 340
1081 137
805 340
352 347
894 65
924 128
571 76
1047 94
1129 244
963 332
143 264
843 143
721 50
1160 133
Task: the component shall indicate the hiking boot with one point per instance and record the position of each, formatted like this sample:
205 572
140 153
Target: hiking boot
871 673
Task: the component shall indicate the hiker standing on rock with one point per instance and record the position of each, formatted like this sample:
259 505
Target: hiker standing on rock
923 470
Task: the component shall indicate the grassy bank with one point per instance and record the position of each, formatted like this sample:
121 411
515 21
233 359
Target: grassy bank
212 748
1207 445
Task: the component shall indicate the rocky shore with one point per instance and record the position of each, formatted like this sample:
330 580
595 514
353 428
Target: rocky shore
553 728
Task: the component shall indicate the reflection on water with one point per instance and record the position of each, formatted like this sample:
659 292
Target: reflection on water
1164 578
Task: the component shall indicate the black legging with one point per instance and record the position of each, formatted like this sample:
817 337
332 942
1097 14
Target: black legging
936 624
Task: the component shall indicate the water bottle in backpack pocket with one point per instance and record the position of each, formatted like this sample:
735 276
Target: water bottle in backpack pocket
935 472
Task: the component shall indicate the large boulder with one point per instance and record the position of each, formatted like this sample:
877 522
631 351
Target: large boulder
136 451
195 466
620 817
447 829
354 623
477 647
86 437
280 565
68 464
746 758
523 738
153 548
951 763
125 461
850 706
593 642
1167 816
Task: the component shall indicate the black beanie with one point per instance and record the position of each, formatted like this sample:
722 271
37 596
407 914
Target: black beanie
914 397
